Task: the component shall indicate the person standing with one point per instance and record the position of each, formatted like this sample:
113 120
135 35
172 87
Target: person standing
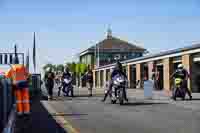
20 76
157 76
89 81
49 82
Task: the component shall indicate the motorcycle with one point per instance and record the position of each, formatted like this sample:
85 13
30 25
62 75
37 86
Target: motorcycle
67 86
117 93
178 90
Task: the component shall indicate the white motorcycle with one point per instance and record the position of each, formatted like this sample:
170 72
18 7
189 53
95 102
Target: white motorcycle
119 84
67 86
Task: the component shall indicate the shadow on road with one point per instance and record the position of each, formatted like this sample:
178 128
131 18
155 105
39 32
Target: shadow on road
85 95
40 121
193 99
63 98
141 103
66 114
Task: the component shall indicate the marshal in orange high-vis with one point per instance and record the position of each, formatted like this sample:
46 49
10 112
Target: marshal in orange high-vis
19 75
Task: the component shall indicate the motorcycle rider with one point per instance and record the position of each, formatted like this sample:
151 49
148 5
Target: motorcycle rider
117 70
182 73
66 75
49 82
89 79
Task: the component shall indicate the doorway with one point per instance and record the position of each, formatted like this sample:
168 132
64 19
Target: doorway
195 77
145 75
132 76
160 77
101 78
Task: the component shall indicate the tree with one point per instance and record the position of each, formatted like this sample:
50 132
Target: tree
72 67
80 68
60 67
77 69
49 66
83 68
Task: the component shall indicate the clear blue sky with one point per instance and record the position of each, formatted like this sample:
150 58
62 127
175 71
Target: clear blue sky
68 26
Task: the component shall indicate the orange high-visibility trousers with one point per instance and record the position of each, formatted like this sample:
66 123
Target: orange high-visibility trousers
22 101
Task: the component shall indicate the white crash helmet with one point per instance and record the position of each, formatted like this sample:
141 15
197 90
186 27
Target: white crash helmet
180 66
48 69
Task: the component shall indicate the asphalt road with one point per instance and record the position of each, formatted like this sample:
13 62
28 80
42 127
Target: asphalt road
90 115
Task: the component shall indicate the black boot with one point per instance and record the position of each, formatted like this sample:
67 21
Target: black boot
190 97
90 94
105 96
59 90
189 94
125 96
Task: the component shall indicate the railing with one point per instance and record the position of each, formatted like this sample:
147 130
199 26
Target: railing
7 106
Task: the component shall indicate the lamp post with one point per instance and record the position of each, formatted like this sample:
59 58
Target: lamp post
99 74
95 54
98 54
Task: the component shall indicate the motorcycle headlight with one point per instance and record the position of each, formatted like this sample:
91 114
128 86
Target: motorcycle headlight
66 81
105 91
116 82
120 80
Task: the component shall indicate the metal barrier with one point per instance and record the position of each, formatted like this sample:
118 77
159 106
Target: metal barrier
7 106
35 84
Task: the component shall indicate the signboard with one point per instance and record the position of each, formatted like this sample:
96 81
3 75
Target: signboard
148 89
196 59
8 58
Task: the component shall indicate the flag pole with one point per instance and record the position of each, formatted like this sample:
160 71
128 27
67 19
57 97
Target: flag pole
27 61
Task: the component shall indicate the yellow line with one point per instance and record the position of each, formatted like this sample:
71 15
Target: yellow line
60 119
66 124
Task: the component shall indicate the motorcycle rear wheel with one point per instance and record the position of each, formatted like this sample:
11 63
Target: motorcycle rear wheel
183 98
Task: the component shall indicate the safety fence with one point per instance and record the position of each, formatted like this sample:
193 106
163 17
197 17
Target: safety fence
7 106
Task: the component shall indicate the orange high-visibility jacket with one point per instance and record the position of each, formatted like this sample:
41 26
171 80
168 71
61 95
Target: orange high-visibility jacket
17 73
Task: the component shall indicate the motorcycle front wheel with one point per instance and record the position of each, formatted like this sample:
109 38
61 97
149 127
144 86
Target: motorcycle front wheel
121 97
113 101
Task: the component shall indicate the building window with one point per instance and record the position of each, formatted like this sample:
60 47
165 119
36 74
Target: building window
138 54
177 59
133 54
117 57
